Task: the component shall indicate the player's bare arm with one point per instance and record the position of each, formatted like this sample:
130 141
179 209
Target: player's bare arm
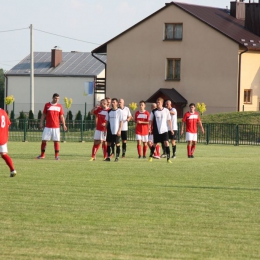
201 127
63 122
182 127
170 126
42 120
119 129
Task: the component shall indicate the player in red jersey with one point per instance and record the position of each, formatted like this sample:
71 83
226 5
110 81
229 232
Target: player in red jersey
4 126
191 119
100 132
53 113
142 129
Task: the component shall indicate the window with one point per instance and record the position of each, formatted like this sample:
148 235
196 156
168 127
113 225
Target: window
173 69
173 31
248 96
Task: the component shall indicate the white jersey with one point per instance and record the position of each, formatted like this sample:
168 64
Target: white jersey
160 120
114 118
174 120
126 113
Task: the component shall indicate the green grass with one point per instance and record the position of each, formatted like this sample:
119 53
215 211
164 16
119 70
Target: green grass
202 208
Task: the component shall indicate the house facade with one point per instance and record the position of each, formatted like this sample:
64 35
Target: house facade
70 74
205 54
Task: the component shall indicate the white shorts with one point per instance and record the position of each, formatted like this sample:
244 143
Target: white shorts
100 135
191 136
51 134
143 138
3 148
150 138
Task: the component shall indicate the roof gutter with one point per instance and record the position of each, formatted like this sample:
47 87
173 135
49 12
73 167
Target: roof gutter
239 78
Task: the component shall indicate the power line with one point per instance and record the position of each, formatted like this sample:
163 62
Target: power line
13 30
66 37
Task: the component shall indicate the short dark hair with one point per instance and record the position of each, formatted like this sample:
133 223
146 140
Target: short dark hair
142 101
55 95
192 104
114 99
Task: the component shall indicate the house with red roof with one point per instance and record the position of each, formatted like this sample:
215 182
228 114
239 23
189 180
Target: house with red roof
189 53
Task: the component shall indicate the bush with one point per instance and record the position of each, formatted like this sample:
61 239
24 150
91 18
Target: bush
22 118
12 115
39 114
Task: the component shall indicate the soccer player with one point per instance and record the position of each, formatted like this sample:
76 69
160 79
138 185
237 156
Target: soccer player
156 154
159 118
4 126
113 144
114 127
100 132
191 119
53 112
173 137
126 118
142 129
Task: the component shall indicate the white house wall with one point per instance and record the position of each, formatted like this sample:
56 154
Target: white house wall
45 87
136 62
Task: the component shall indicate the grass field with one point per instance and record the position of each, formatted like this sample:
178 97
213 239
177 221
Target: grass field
202 208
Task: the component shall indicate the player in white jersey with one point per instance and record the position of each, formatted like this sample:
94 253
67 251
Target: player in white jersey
114 127
172 137
160 119
156 154
126 118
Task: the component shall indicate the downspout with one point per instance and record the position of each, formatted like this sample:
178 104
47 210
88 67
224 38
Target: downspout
239 79
105 70
6 88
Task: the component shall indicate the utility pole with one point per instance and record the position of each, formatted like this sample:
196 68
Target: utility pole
32 70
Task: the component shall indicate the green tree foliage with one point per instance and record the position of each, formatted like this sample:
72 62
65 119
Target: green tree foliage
2 88
78 116
39 114
31 115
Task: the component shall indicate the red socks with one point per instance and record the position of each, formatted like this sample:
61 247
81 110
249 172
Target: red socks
95 149
139 149
43 147
56 148
8 161
189 150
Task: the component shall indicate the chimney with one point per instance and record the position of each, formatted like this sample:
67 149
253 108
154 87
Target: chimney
252 20
56 57
237 9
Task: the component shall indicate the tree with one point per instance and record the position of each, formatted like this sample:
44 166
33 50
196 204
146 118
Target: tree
2 88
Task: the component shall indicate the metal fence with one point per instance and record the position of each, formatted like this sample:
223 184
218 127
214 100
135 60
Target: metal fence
83 131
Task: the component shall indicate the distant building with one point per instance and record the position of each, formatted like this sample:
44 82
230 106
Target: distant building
70 74
200 53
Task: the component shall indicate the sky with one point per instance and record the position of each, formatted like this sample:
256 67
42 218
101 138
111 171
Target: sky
90 22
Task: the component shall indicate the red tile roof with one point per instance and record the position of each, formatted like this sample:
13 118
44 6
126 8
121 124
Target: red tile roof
217 18
222 21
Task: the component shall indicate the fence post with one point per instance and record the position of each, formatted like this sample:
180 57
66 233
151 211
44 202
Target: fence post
237 135
81 130
24 130
207 133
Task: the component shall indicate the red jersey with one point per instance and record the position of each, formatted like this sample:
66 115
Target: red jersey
142 129
4 126
191 120
102 116
53 113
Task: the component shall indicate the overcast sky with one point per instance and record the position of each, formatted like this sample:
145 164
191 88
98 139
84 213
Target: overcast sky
93 21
